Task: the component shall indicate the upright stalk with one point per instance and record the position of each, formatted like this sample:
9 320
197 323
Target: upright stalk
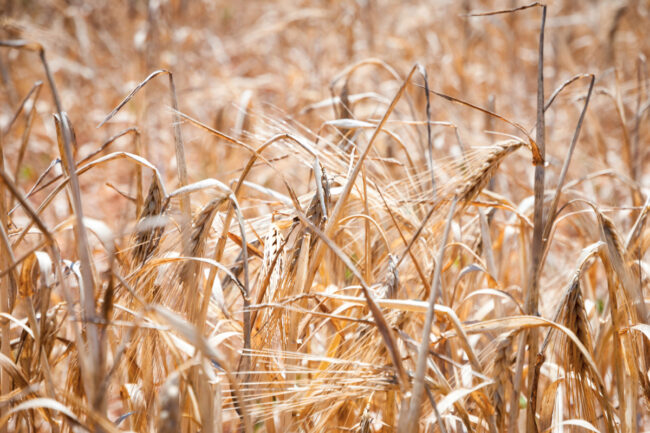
537 249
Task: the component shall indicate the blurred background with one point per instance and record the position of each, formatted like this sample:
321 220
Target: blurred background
276 58
255 68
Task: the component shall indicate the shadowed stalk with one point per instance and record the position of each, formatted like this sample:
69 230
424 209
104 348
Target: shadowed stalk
537 245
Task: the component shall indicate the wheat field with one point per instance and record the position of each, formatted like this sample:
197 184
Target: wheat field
324 216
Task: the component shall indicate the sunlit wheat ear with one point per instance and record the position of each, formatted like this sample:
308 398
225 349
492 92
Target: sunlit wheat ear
478 178
315 215
578 384
581 384
621 264
632 303
500 371
202 225
273 248
189 272
150 227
